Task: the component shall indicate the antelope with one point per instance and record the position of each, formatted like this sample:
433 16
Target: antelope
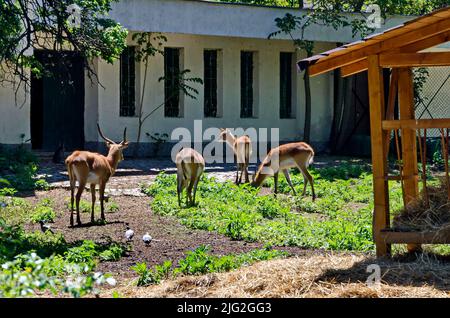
190 166
298 154
93 168
242 148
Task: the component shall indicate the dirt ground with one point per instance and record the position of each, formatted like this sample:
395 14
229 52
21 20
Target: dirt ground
307 273
171 239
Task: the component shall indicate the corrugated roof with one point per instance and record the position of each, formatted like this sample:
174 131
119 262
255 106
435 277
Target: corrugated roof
437 22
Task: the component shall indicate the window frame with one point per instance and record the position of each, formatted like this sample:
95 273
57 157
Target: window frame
127 100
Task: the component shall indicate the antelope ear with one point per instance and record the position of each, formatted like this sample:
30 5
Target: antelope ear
124 144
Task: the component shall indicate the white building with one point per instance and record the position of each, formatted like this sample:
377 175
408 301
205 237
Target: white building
246 76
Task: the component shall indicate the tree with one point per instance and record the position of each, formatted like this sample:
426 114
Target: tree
27 25
330 13
148 46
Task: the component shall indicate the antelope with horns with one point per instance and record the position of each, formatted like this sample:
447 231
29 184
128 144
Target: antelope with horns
283 158
190 166
93 168
242 148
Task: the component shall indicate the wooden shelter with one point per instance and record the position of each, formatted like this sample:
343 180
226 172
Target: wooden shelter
399 49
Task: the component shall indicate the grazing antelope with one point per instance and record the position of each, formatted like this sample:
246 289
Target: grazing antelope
242 148
93 168
190 166
298 154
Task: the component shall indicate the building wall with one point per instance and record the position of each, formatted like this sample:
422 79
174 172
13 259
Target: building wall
192 58
14 116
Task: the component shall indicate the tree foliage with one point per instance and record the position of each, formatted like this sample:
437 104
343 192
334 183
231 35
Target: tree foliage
28 25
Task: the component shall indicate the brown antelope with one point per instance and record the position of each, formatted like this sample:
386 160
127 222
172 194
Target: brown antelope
242 148
190 166
298 154
93 168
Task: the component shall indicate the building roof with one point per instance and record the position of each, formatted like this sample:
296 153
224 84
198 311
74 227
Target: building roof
409 37
220 19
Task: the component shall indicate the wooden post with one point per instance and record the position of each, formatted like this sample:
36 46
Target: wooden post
409 147
379 162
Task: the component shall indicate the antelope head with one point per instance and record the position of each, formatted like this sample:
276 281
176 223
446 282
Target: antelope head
225 134
115 150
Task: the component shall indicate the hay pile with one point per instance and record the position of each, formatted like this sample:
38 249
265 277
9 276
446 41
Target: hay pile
315 275
418 216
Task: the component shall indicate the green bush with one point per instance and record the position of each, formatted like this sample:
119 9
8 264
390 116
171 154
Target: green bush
84 254
112 254
43 213
200 261
153 276
29 273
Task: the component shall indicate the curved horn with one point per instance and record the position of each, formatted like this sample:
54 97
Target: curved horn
103 136
124 135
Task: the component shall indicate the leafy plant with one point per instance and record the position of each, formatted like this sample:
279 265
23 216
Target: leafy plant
112 254
84 254
43 213
200 261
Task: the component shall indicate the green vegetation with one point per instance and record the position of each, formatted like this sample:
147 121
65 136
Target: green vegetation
340 219
18 169
200 261
86 206
43 212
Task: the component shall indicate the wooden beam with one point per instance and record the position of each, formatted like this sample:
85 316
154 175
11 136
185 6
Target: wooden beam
409 148
354 68
409 145
415 59
415 238
373 47
393 90
416 124
379 164
424 43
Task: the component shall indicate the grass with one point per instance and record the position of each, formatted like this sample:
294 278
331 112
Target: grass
86 206
18 170
242 214
340 218
199 261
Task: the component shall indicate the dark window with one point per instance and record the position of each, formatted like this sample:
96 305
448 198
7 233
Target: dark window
246 84
285 85
171 87
210 83
127 82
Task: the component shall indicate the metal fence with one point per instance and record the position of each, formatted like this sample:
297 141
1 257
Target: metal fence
433 101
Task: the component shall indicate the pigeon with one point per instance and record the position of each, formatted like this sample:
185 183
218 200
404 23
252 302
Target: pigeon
147 238
129 233
45 227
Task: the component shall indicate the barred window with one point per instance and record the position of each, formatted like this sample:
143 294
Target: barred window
127 82
210 83
171 89
246 84
285 85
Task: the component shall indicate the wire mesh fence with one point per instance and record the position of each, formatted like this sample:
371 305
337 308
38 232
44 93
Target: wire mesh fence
433 98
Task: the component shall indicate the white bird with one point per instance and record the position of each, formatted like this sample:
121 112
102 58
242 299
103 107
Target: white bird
129 233
45 227
147 238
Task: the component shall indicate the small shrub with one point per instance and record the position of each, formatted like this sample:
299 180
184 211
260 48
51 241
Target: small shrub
147 276
84 254
112 254
42 185
43 213
199 261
